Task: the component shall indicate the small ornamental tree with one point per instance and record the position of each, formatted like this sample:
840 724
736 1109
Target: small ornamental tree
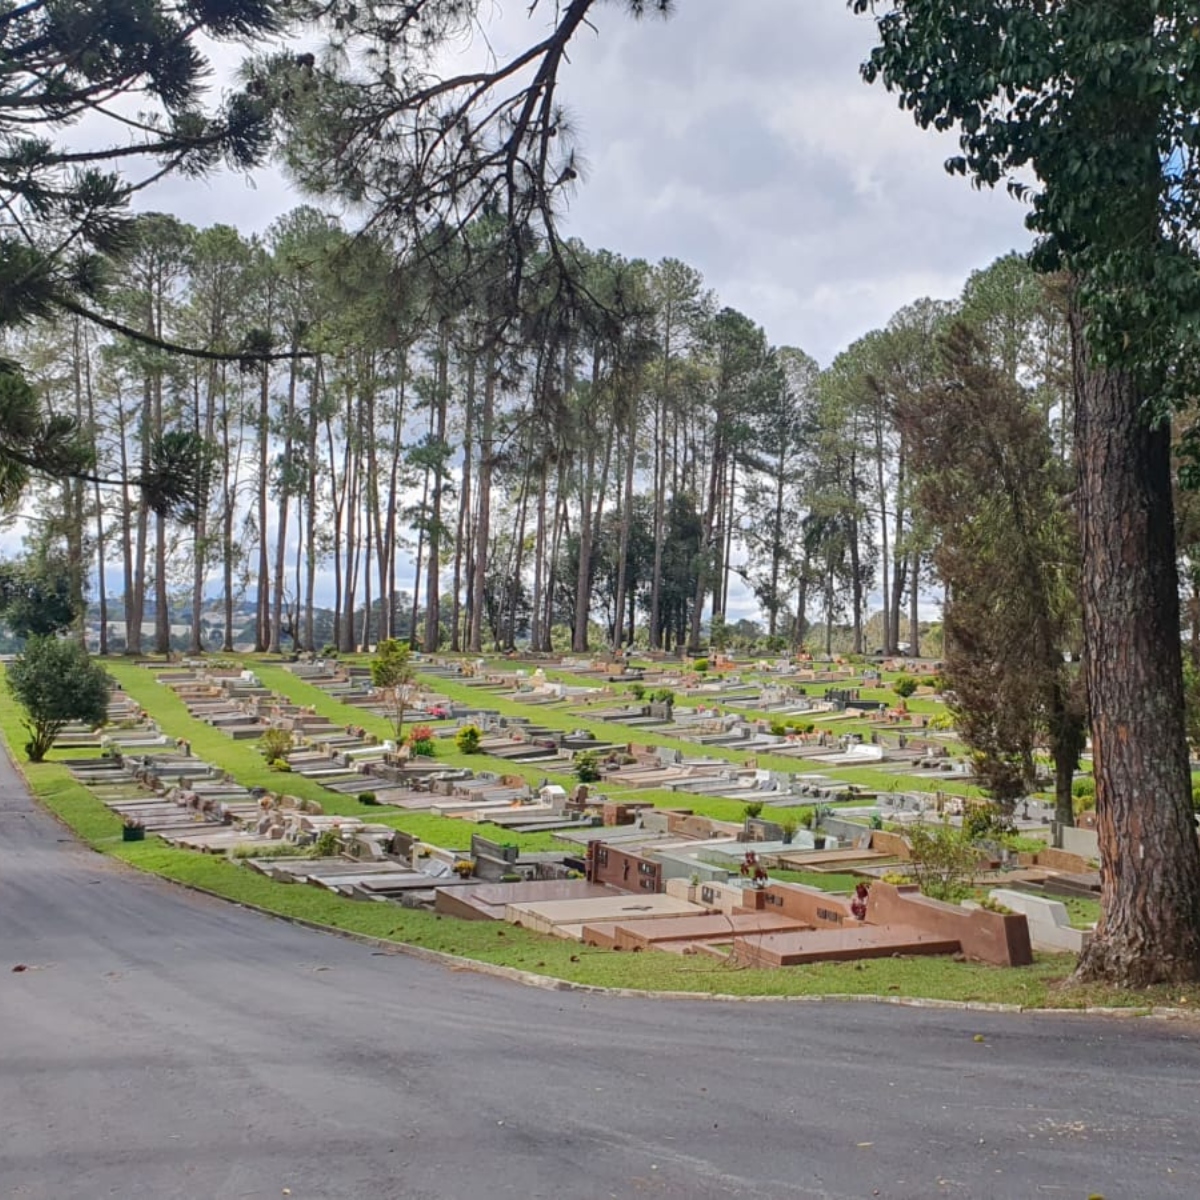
904 686
393 674
56 682
944 860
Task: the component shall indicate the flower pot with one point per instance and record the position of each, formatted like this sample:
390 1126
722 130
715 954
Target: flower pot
133 833
818 841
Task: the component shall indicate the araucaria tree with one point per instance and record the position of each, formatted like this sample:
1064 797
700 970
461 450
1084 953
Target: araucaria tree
1099 101
56 682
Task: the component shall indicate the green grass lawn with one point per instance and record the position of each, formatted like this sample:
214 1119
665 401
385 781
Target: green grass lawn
245 763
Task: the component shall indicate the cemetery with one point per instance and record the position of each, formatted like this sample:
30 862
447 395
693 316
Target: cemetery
760 849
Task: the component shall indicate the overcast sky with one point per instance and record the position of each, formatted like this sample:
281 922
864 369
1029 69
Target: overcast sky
738 137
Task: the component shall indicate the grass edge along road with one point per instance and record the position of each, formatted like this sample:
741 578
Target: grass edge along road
508 946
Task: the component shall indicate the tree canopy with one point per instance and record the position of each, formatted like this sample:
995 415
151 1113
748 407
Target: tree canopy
64 202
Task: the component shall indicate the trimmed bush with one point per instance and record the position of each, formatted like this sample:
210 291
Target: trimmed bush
587 766
467 739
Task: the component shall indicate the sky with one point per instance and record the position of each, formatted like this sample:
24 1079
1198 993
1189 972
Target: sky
737 136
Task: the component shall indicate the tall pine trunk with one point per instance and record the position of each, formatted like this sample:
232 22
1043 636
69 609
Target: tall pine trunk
1149 928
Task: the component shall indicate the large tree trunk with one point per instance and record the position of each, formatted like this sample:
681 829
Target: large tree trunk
1149 929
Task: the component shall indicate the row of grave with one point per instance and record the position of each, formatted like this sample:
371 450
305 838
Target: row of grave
720 720
141 763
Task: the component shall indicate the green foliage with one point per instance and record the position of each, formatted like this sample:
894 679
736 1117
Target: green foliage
637 690
367 798
663 696
753 809
280 764
1191 699
904 686
986 820
326 845
276 743
718 634
35 597
587 766
778 728
1084 786
56 682
944 860
700 666
68 197
393 674
467 739
423 741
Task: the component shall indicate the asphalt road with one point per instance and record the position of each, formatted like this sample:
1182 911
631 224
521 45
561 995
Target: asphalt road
164 1044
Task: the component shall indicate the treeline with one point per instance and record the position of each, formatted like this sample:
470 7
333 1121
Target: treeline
603 450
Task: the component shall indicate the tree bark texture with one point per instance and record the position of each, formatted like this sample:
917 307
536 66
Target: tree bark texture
1149 930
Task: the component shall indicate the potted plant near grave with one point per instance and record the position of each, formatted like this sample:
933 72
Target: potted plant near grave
133 831
789 824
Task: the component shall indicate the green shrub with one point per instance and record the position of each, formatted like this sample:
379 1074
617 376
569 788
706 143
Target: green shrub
904 686
778 728
808 817
467 739
587 766
753 809
700 666
275 744
367 798
421 740
944 861
327 845
637 690
663 696
1084 787
280 764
